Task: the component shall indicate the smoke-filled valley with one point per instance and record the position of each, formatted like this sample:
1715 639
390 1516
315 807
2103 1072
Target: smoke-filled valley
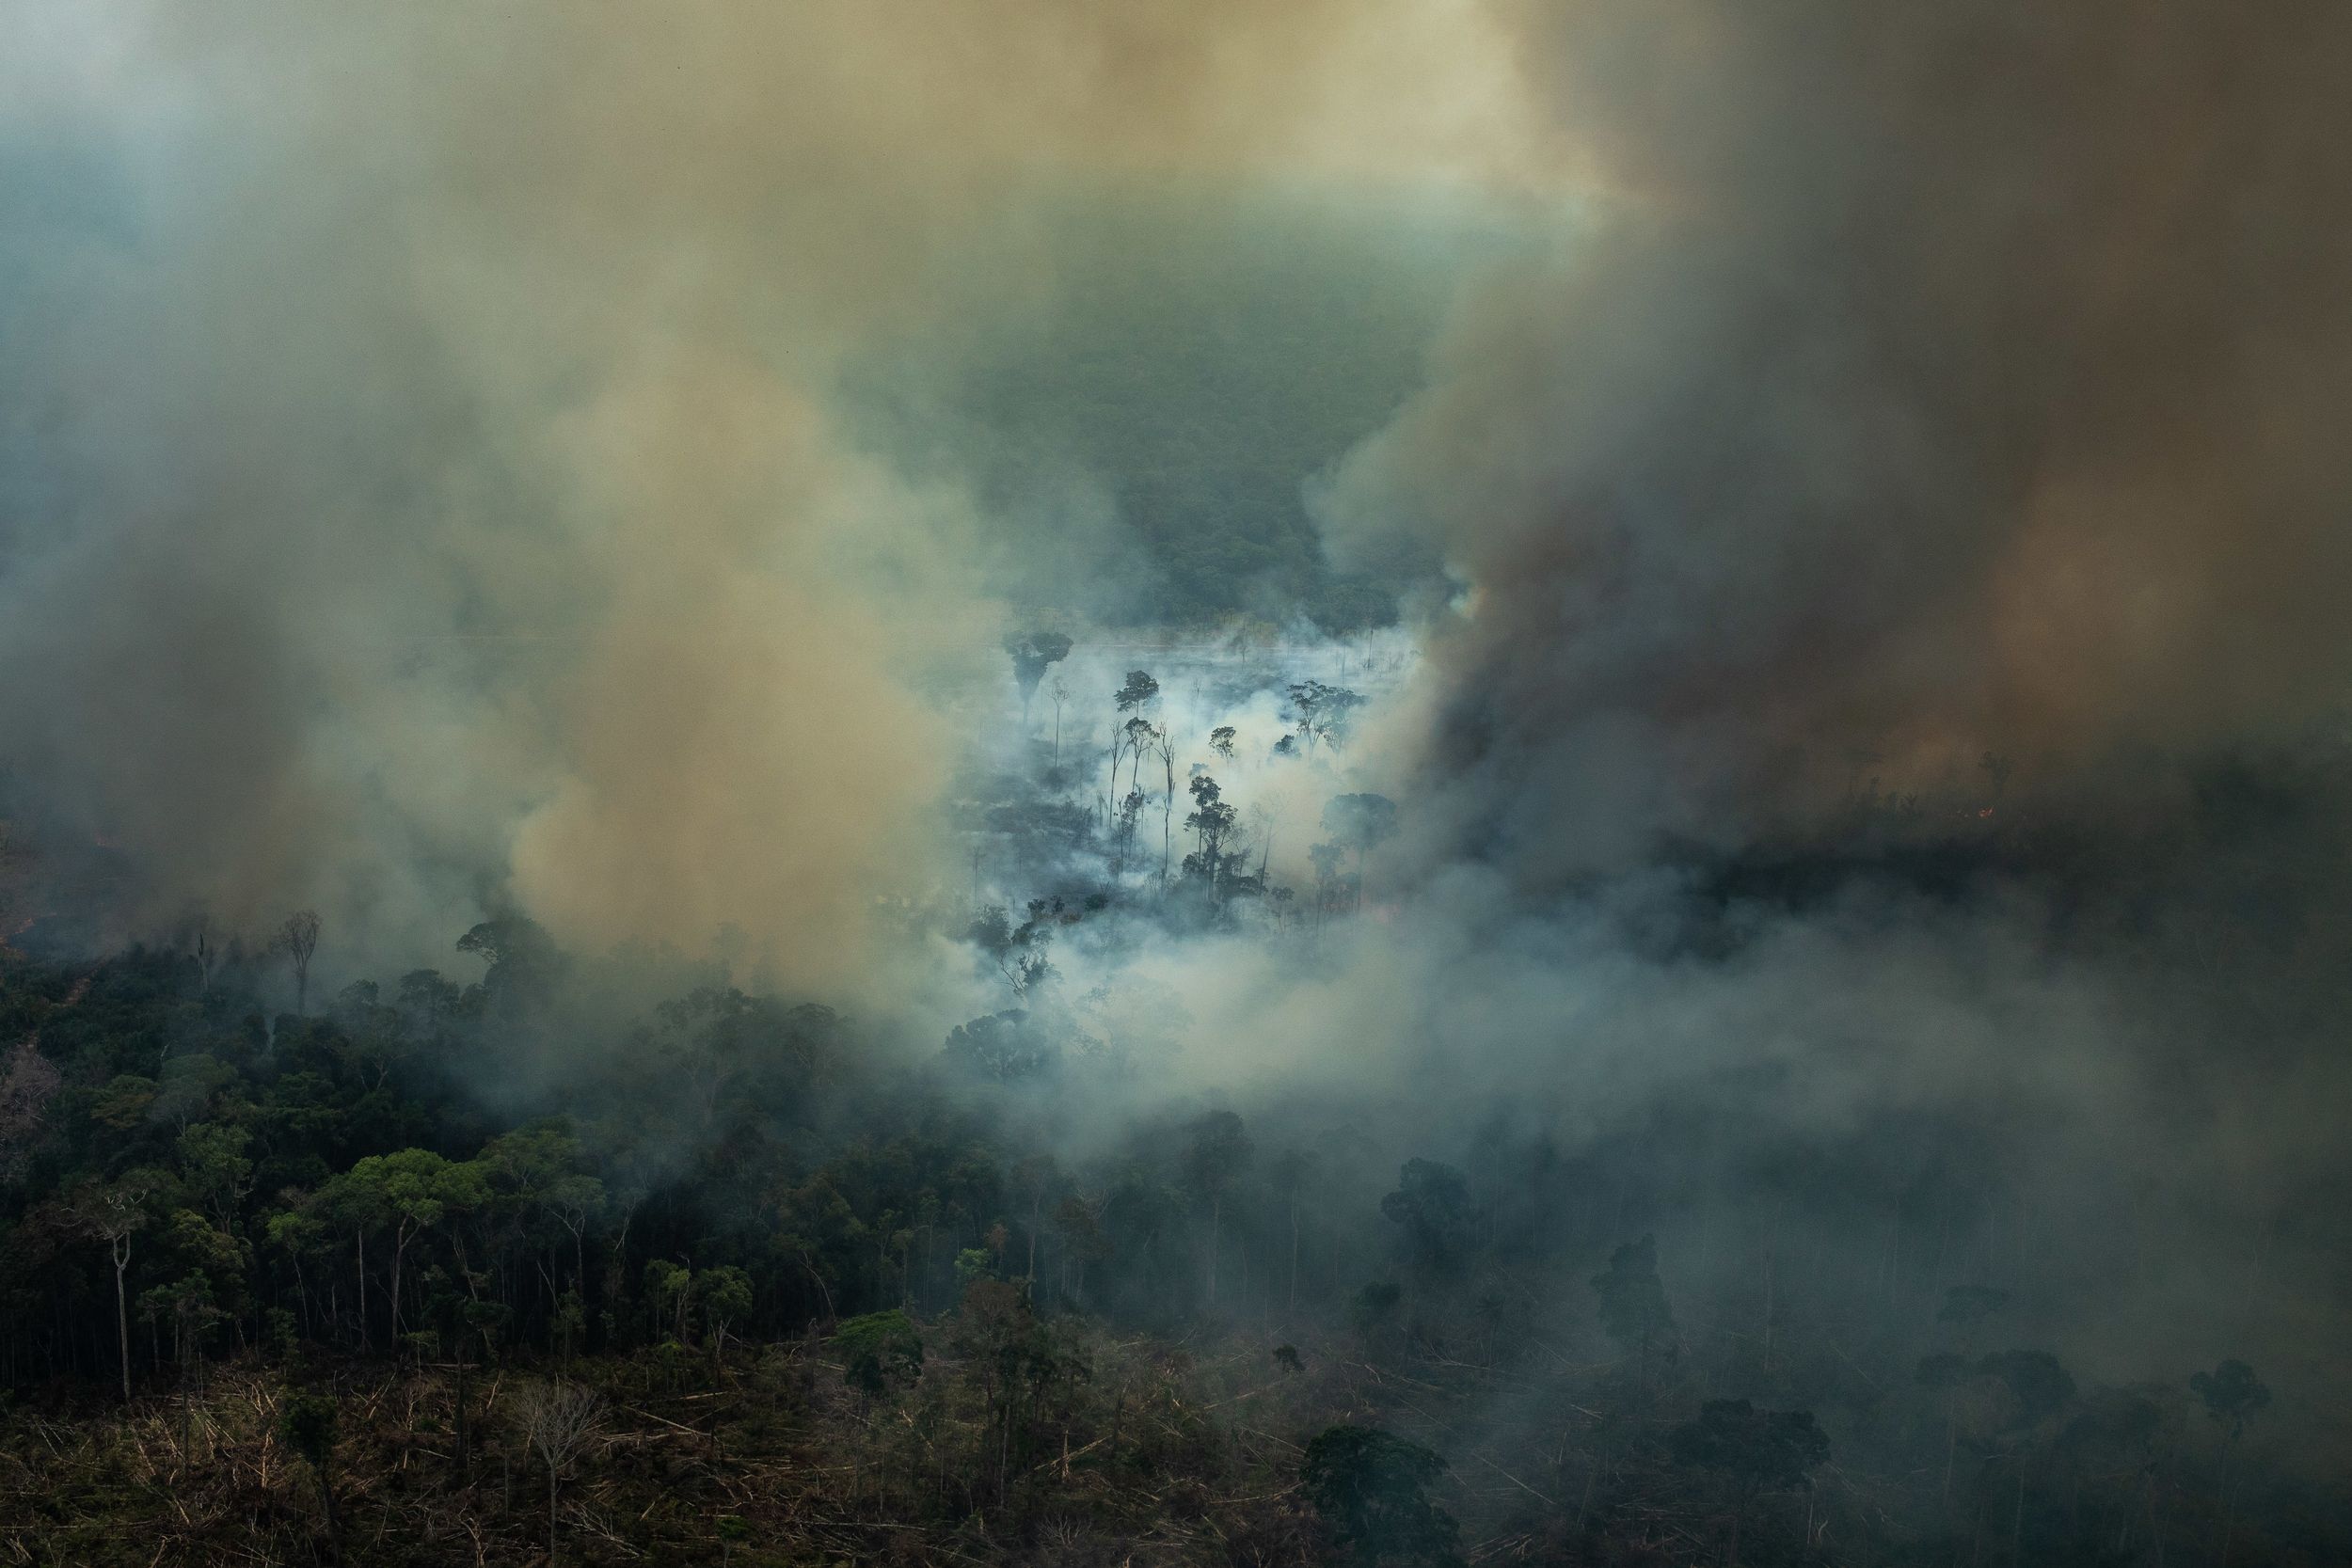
1441 782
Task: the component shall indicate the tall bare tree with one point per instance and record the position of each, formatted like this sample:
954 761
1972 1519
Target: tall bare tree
205 955
1218 1156
557 1419
1163 745
113 1213
298 938
11 897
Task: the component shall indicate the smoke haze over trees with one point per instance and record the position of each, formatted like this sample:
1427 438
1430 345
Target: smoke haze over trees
1519 781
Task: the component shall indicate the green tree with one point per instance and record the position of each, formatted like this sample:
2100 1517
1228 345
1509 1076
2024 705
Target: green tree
725 1293
1754 1450
123 1101
1212 821
190 1244
1330 886
1371 1492
307 1424
1033 653
669 1294
1217 1156
462 1319
114 1212
734 1051
1633 1307
2231 1395
1373 1306
357 1207
1965 1308
534 1173
1289 1171
2038 1386
1017 1361
1078 1223
412 1191
1321 712
880 1351
297 1231
214 1164
1432 1207
188 1087
522 960
1138 691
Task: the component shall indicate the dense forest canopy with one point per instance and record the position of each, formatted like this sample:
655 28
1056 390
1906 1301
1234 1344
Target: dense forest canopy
1396 783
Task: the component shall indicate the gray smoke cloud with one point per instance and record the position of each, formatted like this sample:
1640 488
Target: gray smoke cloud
1926 381
1920 394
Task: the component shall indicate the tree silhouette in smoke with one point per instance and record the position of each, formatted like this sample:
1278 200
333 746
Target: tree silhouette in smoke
1032 655
1754 1450
1433 1209
2231 1395
1362 823
1371 1490
1633 1307
298 940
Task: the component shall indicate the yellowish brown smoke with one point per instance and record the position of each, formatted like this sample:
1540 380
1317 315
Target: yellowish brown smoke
444 500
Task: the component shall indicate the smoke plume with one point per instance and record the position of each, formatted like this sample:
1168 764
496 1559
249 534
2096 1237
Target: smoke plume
427 487
422 484
1925 382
